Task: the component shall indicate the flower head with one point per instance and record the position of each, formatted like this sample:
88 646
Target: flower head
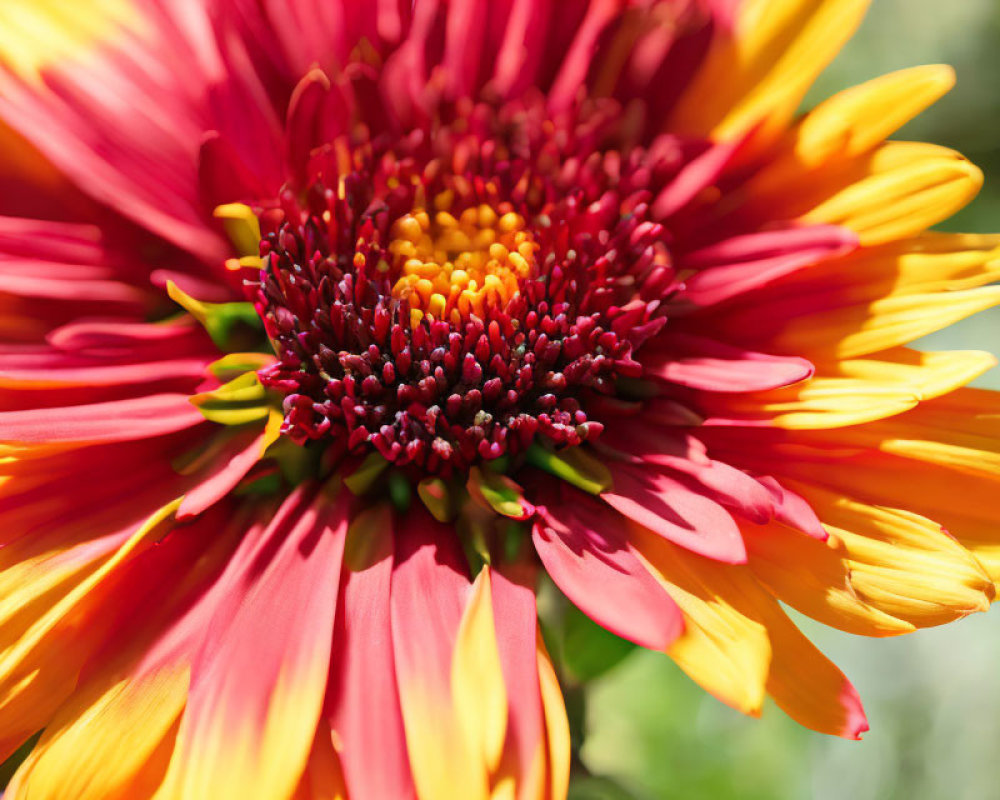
334 325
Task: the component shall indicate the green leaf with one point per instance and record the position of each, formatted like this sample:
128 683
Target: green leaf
588 650
590 787
10 766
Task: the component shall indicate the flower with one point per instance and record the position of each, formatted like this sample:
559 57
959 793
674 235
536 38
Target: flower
330 326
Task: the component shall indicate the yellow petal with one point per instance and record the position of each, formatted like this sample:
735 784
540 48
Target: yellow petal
874 298
893 560
813 577
38 669
556 725
902 563
928 375
35 33
94 750
724 647
906 188
806 684
856 330
851 123
819 403
959 430
738 643
764 70
477 683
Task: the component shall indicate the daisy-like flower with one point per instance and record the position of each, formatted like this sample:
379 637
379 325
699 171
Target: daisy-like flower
330 326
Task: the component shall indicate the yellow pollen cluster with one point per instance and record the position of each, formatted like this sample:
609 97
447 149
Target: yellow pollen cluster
453 267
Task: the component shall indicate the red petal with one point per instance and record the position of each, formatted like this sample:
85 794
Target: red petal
261 675
671 509
584 545
708 365
362 699
744 263
115 421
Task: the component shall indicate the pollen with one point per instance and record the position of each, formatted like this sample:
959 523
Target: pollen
451 267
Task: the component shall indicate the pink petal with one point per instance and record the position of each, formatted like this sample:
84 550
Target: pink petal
223 474
263 667
362 699
674 511
114 421
516 622
743 263
793 510
708 365
584 547
698 174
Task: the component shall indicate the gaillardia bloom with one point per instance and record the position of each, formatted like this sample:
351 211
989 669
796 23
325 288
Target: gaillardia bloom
331 326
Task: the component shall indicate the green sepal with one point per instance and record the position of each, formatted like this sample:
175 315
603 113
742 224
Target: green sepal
232 326
498 492
266 485
400 491
438 497
237 402
298 463
361 480
233 365
573 465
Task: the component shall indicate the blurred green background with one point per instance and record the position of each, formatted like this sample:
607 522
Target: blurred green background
932 698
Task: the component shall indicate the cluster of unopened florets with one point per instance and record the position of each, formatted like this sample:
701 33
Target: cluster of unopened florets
442 319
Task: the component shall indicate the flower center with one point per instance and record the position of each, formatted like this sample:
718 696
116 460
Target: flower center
450 268
464 293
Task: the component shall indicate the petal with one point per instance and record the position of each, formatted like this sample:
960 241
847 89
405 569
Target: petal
763 70
228 469
904 189
477 681
429 593
667 506
929 375
902 563
583 544
815 578
724 648
852 122
114 421
821 403
738 642
362 699
37 669
806 684
257 685
702 363
556 723
97 120
515 619
96 750
740 264
113 737
37 34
